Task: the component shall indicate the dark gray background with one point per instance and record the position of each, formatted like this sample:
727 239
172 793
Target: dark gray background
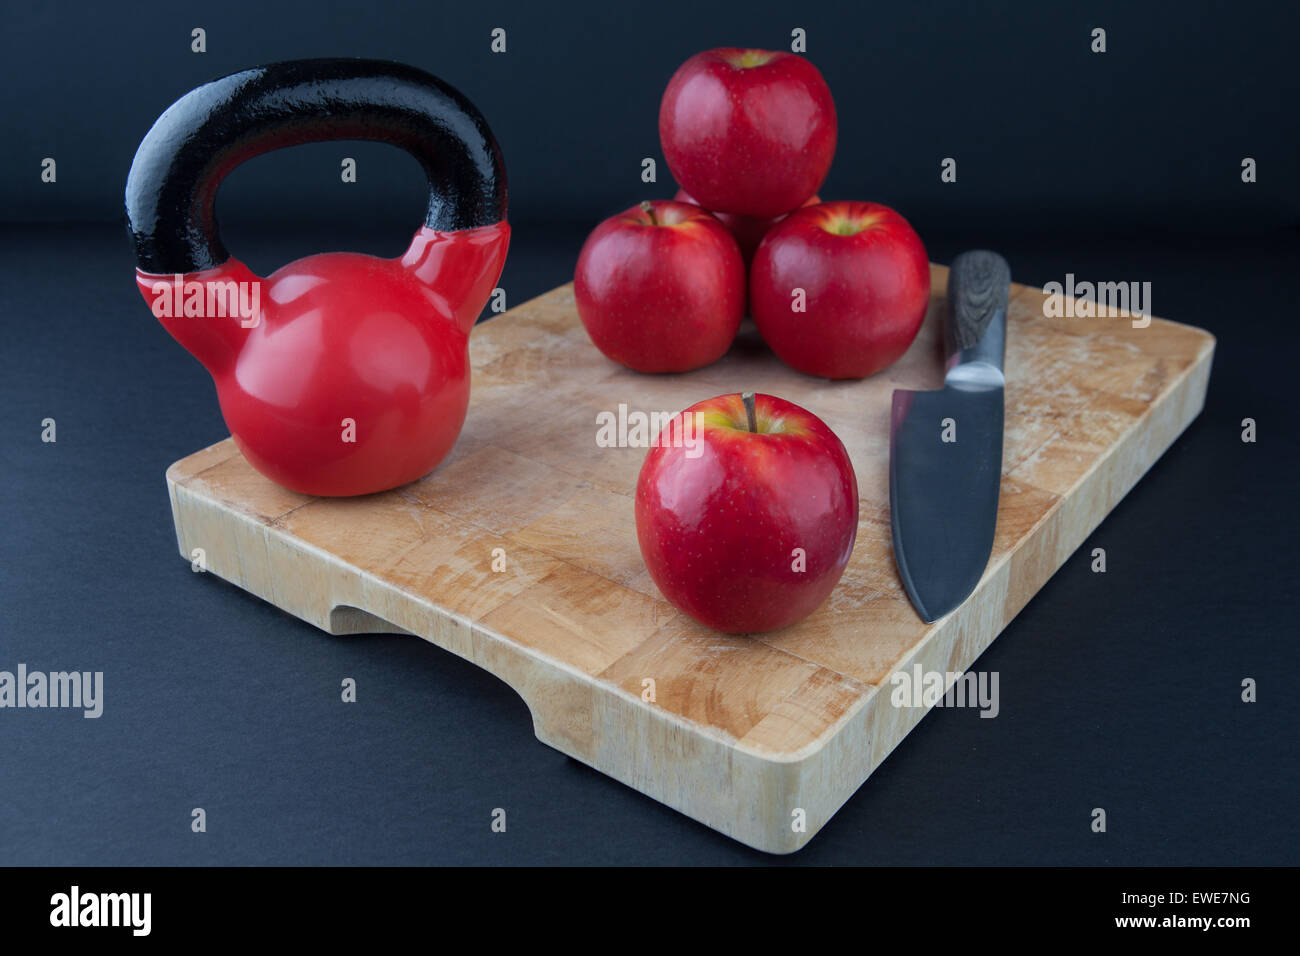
1118 690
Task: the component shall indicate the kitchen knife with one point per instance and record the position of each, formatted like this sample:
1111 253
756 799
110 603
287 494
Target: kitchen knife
945 447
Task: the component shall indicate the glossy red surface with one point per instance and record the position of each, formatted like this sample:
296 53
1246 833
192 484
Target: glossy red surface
865 294
663 296
754 140
354 376
718 530
746 230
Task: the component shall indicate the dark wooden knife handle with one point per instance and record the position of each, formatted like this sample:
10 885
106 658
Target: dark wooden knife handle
979 284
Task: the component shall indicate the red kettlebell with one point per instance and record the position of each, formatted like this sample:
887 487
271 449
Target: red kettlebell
341 373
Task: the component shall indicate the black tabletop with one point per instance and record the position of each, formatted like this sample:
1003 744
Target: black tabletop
1119 690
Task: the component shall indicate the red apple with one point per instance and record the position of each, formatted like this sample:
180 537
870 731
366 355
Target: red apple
862 278
746 512
661 287
747 230
748 131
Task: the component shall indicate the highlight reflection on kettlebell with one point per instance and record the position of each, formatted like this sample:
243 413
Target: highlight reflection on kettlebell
380 342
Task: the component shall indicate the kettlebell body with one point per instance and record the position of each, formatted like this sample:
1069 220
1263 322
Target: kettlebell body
340 373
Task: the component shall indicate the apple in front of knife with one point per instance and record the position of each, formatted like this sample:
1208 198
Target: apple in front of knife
748 131
661 287
746 512
747 230
840 290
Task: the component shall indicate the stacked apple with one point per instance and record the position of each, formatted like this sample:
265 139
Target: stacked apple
837 289
751 530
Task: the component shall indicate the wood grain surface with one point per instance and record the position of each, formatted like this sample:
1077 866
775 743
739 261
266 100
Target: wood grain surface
747 735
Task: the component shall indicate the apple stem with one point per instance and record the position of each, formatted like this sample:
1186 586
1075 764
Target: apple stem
649 210
750 413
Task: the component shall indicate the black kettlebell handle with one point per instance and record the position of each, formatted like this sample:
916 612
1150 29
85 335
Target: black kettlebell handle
172 188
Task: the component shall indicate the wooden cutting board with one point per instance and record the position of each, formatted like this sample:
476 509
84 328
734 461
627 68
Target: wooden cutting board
751 736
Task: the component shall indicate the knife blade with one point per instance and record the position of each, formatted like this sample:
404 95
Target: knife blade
945 447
